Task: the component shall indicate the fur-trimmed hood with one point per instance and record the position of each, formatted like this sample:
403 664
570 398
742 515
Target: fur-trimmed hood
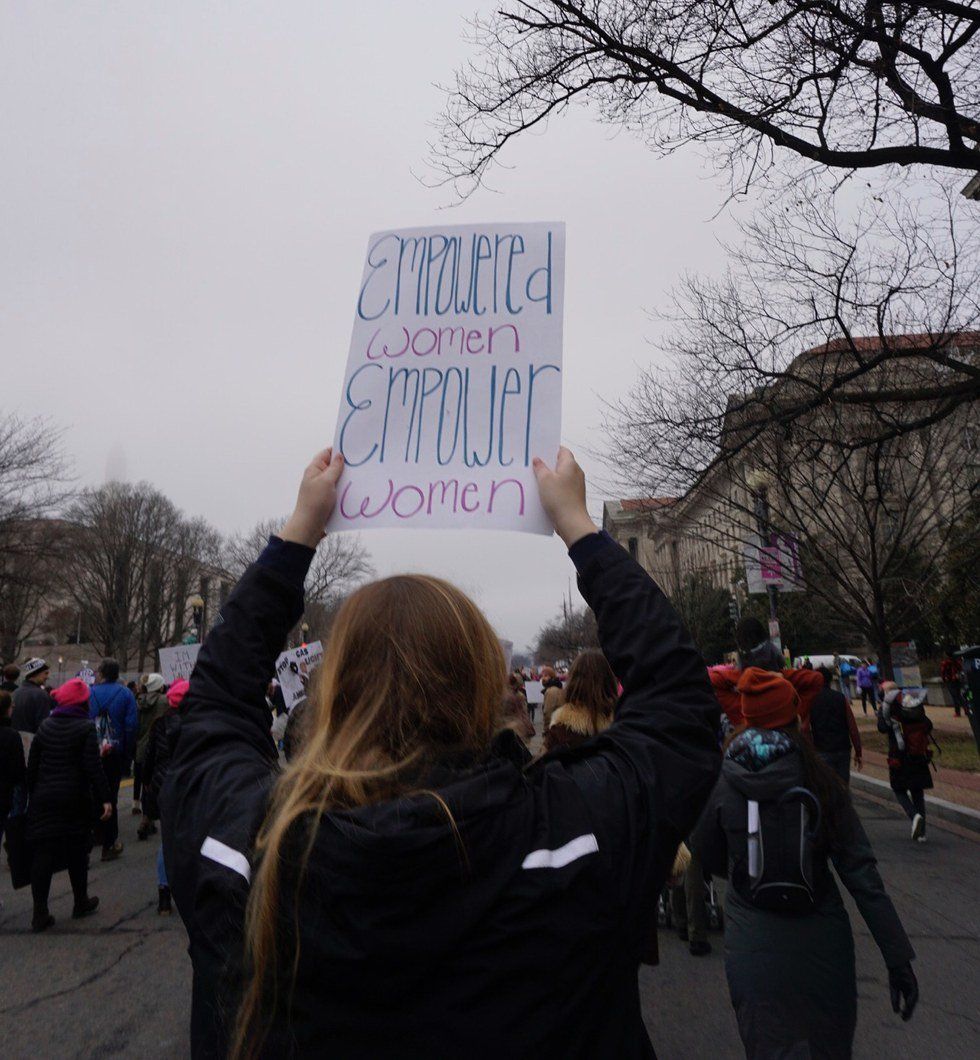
578 719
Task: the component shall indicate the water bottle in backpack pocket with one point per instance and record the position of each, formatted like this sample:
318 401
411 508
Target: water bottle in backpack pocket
778 873
104 733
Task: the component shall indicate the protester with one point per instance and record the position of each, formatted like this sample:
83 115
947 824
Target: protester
152 704
113 708
32 703
65 782
587 706
12 767
833 729
552 695
690 911
951 675
10 674
514 714
159 752
789 951
407 886
866 685
903 719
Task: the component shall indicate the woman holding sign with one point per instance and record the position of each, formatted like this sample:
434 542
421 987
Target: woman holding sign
401 890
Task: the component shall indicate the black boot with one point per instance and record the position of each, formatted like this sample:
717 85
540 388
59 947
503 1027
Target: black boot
41 920
85 908
164 908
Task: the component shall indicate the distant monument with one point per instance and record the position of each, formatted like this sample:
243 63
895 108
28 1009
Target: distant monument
115 464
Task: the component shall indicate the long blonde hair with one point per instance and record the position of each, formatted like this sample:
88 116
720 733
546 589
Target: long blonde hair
412 675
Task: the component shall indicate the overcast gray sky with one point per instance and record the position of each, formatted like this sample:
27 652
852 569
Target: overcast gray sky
187 192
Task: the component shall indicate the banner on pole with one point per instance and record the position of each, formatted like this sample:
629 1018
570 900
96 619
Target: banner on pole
773 561
453 381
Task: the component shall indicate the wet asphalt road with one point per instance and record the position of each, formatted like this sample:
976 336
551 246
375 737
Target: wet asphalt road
118 984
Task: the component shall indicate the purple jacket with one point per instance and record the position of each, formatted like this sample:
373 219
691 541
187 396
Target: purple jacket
864 678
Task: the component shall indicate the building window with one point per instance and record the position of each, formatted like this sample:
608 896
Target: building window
631 544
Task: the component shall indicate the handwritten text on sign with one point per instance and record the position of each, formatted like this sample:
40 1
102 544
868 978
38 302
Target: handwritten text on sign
453 382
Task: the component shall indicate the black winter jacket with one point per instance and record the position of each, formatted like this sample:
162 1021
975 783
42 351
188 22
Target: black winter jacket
527 946
65 780
828 722
156 763
32 705
13 771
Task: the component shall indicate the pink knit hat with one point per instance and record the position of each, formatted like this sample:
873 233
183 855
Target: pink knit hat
176 692
72 693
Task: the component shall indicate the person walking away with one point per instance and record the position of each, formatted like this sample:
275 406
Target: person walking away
789 951
951 675
158 755
65 783
397 857
13 769
11 672
113 708
32 703
833 729
151 705
514 714
903 720
552 695
866 686
589 698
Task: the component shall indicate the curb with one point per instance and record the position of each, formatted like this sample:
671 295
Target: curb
945 811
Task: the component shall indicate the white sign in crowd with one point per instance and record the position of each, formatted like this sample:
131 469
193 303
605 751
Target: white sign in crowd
293 666
453 382
176 663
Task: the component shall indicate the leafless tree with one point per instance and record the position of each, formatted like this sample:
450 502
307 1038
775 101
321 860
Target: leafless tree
843 85
33 478
133 561
340 563
567 635
873 322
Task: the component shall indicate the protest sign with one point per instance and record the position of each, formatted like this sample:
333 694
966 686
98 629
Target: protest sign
87 674
453 381
294 665
534 690
176 663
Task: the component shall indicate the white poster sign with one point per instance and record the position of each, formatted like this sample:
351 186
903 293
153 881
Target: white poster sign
293 666
176 663
453 382
773 561
534 691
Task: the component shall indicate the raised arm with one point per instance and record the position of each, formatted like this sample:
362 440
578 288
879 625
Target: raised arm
667 718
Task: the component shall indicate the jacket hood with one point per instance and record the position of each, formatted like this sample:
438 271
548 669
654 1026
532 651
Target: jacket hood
762 763
388 881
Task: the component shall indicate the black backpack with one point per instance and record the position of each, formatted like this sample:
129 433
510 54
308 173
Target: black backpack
778 873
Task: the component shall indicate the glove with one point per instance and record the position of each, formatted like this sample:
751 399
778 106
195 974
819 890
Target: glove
904 987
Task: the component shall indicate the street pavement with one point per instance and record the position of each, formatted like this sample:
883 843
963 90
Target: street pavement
118 984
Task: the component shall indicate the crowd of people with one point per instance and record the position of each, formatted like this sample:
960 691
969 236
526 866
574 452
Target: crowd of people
63 755
394 880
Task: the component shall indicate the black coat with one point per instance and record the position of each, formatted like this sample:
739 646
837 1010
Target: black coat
12 767
32 705
404 950
65 780
828 722
156 763
792 978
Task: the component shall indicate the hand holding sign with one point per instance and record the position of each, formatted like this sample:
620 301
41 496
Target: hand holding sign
317 499
562 493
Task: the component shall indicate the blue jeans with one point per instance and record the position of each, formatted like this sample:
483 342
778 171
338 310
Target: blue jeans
161 870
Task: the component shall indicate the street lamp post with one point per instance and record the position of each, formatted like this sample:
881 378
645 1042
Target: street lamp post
197 613
758 483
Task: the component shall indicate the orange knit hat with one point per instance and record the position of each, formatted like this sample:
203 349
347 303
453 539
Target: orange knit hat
769 701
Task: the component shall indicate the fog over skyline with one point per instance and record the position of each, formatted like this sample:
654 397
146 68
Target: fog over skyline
187 197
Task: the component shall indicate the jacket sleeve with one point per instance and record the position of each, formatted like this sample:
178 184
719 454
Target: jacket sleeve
132 724
709 840
667 718
852 730
220 773
33 762
855 863
92 768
